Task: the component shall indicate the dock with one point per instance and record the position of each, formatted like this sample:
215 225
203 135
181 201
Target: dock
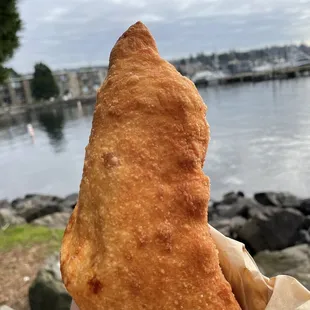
257 76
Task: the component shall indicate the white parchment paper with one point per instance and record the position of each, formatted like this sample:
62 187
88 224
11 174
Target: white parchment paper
252 289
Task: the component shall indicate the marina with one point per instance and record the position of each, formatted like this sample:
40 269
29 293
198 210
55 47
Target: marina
297 66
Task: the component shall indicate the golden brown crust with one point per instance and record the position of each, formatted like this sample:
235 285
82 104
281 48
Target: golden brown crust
138 237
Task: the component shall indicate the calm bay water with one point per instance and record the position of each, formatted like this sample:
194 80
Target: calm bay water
260 140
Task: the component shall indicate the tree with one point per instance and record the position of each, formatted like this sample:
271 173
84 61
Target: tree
183 62
43 84
10 25
191 59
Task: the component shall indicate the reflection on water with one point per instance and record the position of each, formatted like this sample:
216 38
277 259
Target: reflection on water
53 163
260 140
52 120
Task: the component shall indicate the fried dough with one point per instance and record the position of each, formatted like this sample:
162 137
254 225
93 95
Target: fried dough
138 237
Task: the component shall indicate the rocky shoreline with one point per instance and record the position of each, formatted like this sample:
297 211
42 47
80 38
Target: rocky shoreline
274 226
50 211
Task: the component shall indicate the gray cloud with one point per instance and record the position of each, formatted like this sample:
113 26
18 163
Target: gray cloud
82 32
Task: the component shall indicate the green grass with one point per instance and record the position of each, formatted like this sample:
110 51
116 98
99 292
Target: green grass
28 235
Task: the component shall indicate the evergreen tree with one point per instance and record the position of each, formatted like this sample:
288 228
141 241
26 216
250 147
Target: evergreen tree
10 25
43 85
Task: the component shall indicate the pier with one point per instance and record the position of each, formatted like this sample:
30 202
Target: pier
255 76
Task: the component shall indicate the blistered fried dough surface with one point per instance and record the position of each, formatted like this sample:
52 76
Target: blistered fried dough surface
138 237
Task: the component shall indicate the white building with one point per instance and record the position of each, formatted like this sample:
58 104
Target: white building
73 83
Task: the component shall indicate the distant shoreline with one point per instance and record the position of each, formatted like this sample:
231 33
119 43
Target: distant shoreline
7 113
211 79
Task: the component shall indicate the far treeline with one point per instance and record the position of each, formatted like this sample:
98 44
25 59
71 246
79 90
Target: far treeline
267 54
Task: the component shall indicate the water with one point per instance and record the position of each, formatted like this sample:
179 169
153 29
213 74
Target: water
260 140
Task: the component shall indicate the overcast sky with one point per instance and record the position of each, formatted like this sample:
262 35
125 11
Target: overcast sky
72 33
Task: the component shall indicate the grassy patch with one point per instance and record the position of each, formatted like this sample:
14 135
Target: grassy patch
28 235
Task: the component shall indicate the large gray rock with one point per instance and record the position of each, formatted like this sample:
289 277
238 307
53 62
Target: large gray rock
4 204
55 220
305 207
293 261
229 227
34 206
70 201
47 291
271 229
303 237
7 217
236 223
230 197
222 226
240 207
229 211
306 224
284 199
211 211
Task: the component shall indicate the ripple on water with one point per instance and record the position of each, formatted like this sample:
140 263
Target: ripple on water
260 140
